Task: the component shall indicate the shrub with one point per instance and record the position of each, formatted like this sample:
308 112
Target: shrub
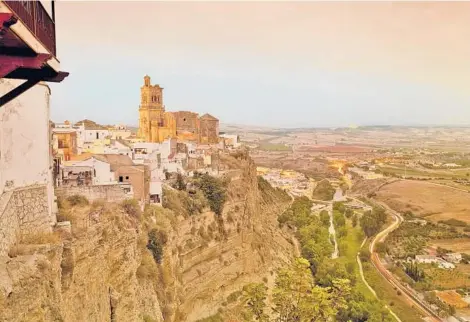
78 200
156 240
364 255
131 207
214 191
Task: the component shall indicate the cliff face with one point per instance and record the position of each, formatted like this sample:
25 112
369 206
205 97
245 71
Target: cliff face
102 271
90 276
214 257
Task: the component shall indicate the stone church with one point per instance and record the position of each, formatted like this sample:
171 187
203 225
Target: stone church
156 125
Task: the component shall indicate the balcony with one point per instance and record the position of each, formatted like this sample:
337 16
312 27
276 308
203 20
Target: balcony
37 20
27 45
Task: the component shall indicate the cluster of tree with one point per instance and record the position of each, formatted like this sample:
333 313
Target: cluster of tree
325 218
323 191
312 232
444 309
465 258
297 297
414 271
372 221
213 189
411 238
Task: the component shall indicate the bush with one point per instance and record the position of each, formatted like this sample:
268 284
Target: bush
131 207
364 255
156 240
78 200
214 191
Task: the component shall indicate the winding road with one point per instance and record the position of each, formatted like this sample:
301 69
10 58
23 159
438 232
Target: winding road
410 294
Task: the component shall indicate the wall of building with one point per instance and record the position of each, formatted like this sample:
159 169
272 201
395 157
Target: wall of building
209 131
136 175
25 148
102 169
111 192
23 211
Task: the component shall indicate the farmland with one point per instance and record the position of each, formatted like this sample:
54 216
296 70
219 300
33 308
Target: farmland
424 199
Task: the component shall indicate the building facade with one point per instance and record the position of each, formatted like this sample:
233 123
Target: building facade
157 125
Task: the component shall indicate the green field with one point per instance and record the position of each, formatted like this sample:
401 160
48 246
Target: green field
266 146
353 241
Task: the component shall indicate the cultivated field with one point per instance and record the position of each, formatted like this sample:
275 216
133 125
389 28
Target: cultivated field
458 245
435 202
453 298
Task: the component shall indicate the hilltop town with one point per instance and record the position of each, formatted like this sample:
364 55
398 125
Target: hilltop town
95 160
186 219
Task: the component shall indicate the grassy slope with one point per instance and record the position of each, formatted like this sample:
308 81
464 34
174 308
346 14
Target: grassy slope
354 239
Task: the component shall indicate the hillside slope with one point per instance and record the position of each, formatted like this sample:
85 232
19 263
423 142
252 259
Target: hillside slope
103 271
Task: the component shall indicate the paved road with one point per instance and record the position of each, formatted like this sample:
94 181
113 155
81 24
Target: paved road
407 292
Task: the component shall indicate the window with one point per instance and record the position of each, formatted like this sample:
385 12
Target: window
94 172
120 179
127 177
97 135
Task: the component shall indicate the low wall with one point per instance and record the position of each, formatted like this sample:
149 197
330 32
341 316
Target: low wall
111 193
23 211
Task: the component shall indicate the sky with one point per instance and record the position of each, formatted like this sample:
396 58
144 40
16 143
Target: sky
280 64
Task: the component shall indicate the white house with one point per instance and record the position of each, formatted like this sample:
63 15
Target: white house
426 259
156 179
231 140
102 173
453 257
118 147
88 133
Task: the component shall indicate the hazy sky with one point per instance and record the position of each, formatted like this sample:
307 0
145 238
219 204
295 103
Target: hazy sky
275 64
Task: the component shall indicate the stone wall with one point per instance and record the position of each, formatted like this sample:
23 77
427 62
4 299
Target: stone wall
111 193
23 211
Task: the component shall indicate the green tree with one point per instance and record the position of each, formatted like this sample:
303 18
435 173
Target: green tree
214 191
354 220
156 240
325 218
296 298
180 184
254 296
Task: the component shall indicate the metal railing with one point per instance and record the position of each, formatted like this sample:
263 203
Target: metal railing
37 20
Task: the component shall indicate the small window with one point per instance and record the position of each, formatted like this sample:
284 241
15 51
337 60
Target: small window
97 135
94 172
127 177
121 179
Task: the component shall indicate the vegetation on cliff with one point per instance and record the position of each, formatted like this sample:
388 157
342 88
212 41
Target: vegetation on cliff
323 191
335 282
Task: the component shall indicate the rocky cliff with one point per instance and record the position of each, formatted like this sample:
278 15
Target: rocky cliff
103 271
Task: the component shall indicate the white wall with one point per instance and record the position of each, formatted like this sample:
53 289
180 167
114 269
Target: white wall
25 154
103 171
90 135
